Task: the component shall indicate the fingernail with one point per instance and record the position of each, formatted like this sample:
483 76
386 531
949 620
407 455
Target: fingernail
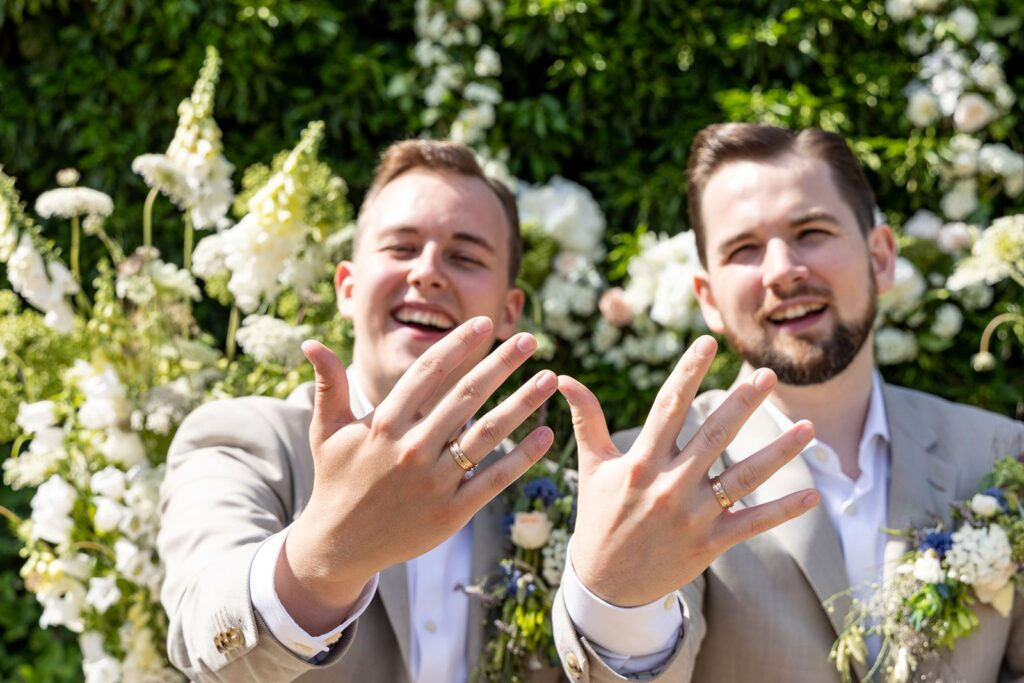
810 498
763 379
546 381
805 431
481 325
705 347
526 343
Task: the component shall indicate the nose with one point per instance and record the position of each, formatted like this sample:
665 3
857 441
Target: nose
427 270
782 266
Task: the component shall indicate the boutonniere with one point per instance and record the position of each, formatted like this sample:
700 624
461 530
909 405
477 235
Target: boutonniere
520 592
930 602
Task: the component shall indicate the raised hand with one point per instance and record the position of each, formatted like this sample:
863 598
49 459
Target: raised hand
388 488
648 520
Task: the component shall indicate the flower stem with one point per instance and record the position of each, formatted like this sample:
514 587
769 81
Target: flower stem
189 234
986 335
92 545
232 331
11 517
147 218
76 272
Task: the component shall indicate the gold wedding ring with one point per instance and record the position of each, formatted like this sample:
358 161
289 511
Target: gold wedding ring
459 456
720 494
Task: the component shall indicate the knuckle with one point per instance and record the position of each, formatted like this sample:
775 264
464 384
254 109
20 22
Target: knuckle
384 424
747 478
715 435
470 389
759 524
670 404
430 364
489 431
509 359
747 397
497 479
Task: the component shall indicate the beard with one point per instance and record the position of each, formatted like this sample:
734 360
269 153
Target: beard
801 362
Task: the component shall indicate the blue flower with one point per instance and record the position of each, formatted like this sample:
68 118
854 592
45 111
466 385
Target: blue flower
510 576
998 495
939 541
543 489
507 522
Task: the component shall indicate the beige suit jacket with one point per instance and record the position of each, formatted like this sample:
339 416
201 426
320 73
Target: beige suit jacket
756 614
239 471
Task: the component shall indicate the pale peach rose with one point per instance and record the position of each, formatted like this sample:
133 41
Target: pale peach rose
531 530
973 112
615 307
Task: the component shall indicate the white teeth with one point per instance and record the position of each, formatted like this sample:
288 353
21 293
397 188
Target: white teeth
796 312
421 317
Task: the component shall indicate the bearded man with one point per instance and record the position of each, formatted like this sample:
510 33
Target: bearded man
793 262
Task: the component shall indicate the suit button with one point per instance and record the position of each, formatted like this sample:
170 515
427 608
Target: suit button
229 639
572 663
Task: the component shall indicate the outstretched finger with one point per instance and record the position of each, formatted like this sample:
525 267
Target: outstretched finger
668 413
588 423
739 525
488 482
742 478
331 407
429 371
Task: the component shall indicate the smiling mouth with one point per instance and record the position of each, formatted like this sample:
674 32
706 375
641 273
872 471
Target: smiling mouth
426 321
797 314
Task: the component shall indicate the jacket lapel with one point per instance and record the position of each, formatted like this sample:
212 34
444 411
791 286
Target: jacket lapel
488 547
394 593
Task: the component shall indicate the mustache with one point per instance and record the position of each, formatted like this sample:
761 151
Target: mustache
776 299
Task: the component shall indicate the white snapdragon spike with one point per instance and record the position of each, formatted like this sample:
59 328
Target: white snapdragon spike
201 179
273 232
894 346
997 255
69 202
44 285
271 340
566 212
103 593
64 609
905 294
51 511
109 482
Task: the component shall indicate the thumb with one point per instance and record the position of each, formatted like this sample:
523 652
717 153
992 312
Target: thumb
588 421
331 409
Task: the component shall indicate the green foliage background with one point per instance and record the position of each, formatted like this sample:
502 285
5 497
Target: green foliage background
606 93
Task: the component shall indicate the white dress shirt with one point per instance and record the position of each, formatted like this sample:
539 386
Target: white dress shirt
643 638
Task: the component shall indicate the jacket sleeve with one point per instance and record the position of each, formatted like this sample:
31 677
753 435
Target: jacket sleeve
230 483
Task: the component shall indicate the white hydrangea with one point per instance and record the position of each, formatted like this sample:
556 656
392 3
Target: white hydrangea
554 554
271 340
68 202
893 346
565 297
980 556
998 254
661 280
948 321
566 212
905 294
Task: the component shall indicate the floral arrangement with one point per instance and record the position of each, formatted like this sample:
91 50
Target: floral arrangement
520 593
927 606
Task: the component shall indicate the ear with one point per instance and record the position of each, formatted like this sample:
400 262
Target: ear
883 250
344 283
708 307
506 327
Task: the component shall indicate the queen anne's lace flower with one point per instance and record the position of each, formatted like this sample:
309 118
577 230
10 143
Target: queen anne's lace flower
68 202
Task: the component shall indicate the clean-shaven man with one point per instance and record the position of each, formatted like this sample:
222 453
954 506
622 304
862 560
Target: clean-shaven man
793 263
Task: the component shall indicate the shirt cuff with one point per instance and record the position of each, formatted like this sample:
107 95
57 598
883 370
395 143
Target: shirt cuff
265 601
629 639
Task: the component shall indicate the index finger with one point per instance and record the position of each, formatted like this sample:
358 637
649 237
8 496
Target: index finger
420 382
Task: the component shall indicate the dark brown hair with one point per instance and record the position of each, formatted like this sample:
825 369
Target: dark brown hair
721 143
444 155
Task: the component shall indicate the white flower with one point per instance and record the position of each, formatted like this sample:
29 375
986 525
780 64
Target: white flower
35 417
470 10
675 303
1005 96
103 670
999 159
68 202
985 506
64 609
565 211
130 560
948 321
169 277
554 554
997 254
1014 184
209 255
109 482
924 225
899 10
927 5
901 670
162 174
271 340
91 645
103 593
893 346
956 237
973 112
981 557
961 201
917 43
531 530
928 568
8 236
964 23
68 177
472 123
44 285
123 448
109 515
488 62
922 108
907 289
51 510
478 92
988 75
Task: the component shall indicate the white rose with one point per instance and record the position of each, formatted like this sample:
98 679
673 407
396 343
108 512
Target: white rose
103 593
961 201
34 417
470 10
973 112
108 515
109 482
924 225
964 23
530 530
928 568
922 108
899 10
985 506
124 448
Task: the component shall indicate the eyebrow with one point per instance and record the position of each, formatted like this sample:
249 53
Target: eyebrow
461 236
812 216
